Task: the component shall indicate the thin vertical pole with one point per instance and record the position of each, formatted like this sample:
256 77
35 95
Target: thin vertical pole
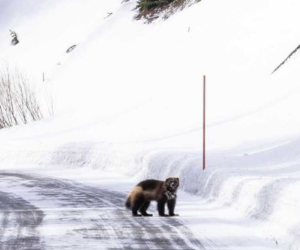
204 117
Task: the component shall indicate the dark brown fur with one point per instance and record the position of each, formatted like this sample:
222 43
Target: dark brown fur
164 192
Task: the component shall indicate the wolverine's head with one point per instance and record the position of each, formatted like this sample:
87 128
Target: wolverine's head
172 184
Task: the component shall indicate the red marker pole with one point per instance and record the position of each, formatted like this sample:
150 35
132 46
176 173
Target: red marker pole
204 116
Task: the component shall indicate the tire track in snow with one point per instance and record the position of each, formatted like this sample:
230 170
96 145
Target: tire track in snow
19 224
92 218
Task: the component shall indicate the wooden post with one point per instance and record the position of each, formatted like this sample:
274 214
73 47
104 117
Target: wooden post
204 117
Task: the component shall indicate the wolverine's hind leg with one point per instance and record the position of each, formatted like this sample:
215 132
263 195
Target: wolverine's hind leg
144 207
137 203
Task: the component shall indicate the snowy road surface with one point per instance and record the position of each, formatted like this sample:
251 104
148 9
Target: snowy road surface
38 213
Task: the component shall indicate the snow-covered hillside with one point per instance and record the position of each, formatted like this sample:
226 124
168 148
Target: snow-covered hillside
128 99
154 72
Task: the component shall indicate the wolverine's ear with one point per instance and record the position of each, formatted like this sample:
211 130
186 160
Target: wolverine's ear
167 179
177 179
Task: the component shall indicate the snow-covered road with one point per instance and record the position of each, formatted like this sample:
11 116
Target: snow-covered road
38 212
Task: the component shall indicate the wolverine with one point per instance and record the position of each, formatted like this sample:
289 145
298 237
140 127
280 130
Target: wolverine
164 192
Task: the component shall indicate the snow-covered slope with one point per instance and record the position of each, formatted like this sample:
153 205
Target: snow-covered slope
154 72
128 99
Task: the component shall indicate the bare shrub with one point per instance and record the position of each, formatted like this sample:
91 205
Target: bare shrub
18 99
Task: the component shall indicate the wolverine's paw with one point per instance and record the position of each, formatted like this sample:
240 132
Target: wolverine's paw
145 214
173 214
135 214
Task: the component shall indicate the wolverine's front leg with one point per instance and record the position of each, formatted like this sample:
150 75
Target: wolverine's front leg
171 207
161 207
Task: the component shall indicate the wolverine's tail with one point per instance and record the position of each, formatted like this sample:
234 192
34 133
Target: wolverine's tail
128 202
